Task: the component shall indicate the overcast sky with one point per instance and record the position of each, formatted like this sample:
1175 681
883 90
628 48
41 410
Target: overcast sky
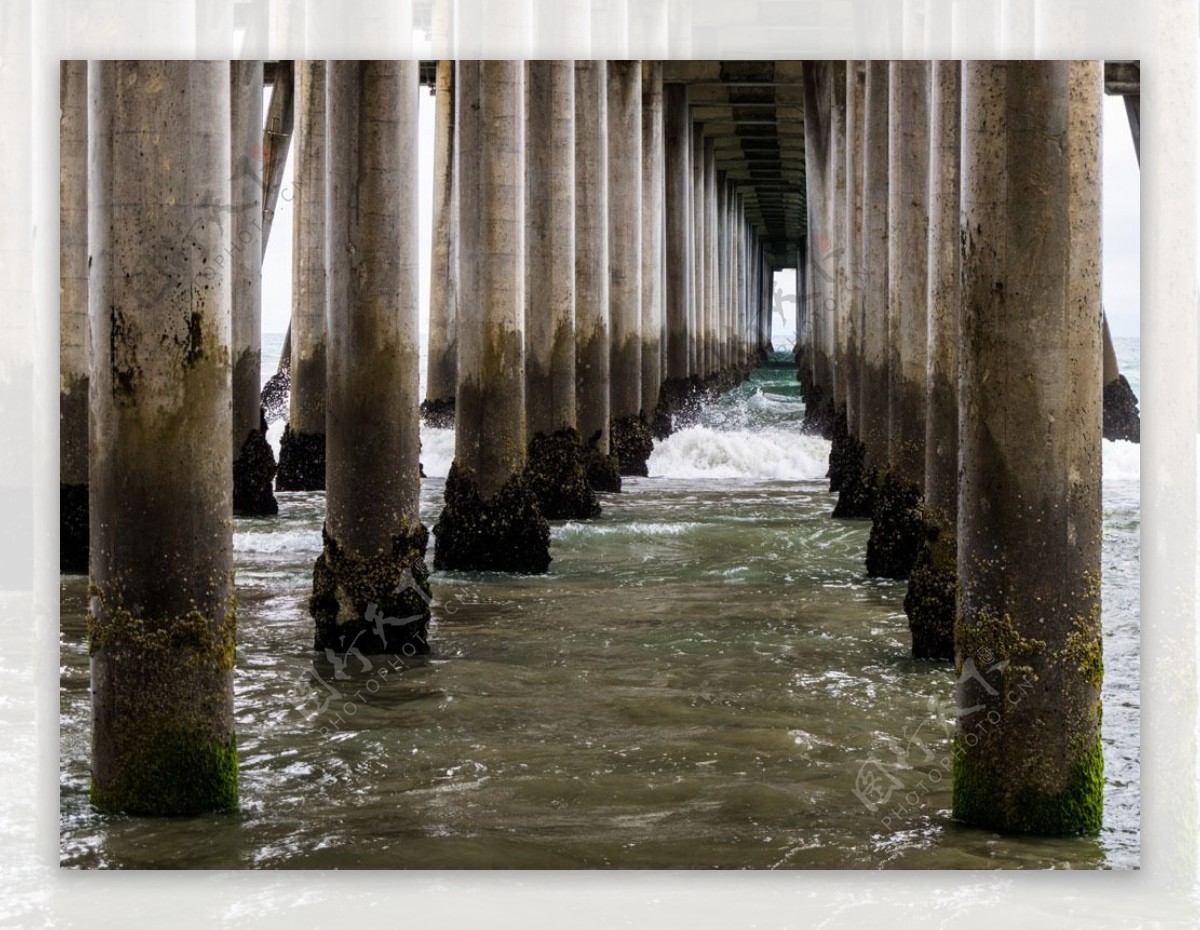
1121 229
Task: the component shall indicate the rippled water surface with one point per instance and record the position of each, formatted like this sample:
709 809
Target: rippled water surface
701 680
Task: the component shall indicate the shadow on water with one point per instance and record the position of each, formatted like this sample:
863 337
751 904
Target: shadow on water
703 679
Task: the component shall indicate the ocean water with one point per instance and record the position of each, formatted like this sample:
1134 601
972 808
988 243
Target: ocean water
701 680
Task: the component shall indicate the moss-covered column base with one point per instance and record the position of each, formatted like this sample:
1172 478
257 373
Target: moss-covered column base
373 603
856 483
931 601
301 462
505 534
984 793
253 472
631 443
438 413
73 529
898 530
557 475
163 713
603 470
1121 417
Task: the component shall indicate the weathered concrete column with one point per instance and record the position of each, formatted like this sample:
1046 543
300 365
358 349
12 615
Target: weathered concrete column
592 353
722 245
852 238
73 319
856 484
803 353
491 520
653 196
1027 754
556 468
728 334
741 356
818 390
931 600
302 449
711 250
835 210
253 458
370 584
835 193
898 529
437 409
873 376
700 294
162 626
630 436
679 249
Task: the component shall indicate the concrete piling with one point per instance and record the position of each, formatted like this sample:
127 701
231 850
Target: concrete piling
931 600
73 318
437 409
556 468
161 623
856 486
253 458
873 374
370 583
630 437
592 354
679 253
817 391
697 361
491 520
652 207
898 528
302 449
1027 753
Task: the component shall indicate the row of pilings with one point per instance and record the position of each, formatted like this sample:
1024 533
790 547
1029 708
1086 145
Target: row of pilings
594 277
951 344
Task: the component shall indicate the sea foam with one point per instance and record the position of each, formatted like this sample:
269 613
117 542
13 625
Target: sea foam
772 454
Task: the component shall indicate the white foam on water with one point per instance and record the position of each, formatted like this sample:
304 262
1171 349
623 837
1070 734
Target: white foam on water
573 528
1122 461
289 541
771 454
275 435
437 451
